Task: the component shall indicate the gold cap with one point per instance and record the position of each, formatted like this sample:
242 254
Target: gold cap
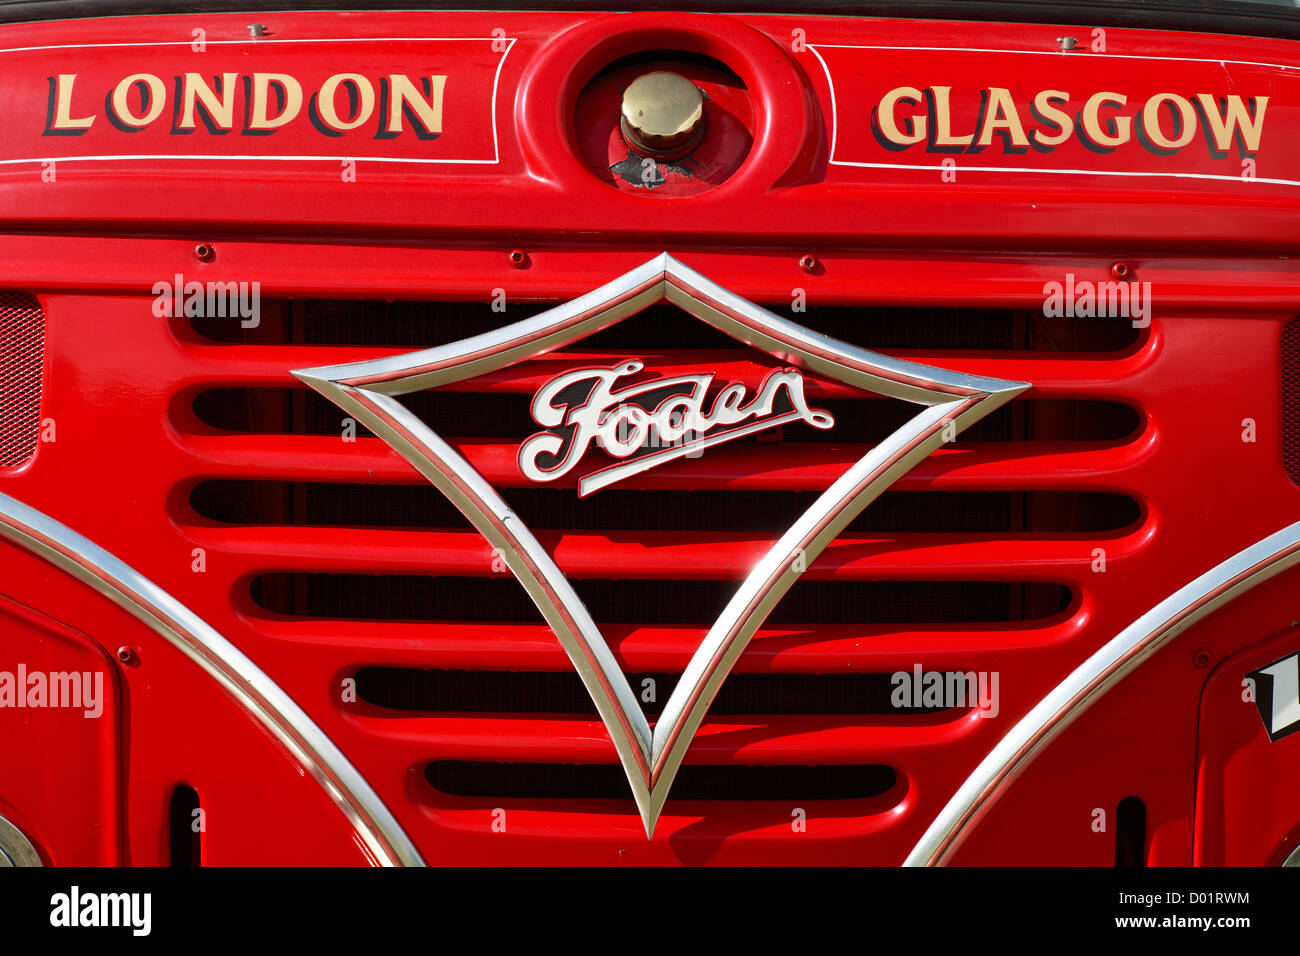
663 115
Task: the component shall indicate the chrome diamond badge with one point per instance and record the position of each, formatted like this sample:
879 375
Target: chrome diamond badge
949 402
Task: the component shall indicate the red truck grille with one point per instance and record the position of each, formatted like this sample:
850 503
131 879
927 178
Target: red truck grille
460 682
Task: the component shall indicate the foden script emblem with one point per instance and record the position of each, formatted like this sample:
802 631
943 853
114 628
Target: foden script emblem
653 422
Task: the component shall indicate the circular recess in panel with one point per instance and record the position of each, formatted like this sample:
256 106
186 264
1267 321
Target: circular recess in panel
665 124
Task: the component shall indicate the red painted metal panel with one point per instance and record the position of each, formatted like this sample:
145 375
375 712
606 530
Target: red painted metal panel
1244 813
550 57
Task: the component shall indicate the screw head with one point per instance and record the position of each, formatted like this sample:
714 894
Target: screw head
204 252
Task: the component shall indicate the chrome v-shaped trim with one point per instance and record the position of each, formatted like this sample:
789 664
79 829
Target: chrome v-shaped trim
368 391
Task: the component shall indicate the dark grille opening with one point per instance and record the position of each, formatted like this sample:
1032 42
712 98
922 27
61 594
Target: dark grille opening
282 411
465 778
537 692
426 324
1130 832
1291 399
184 827
22 366
1032 419
409 597
762 512
417 325
887 328
503 416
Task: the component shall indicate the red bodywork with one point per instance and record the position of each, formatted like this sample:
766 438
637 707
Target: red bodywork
120 383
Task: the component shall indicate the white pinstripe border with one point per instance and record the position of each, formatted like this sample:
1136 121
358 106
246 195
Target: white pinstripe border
928 167
496 83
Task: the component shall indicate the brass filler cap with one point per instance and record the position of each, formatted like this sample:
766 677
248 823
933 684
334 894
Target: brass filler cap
663 115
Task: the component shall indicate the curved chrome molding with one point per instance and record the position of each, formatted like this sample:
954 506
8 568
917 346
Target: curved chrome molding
251 688
1094 677
367 391
15 848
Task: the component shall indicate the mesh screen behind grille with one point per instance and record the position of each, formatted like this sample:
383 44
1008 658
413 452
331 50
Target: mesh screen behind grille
22 352
1291 399
534 692
472 778
411 597
761 512
425 324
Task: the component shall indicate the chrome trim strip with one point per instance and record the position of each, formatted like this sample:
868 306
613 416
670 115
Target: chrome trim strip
376 827
1109 665
368 392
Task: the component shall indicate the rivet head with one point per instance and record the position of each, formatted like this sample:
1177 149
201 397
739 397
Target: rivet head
126 654
204 252
1120 270
808 263
663 115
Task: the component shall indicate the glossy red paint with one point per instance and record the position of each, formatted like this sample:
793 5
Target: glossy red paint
1243 779
121 382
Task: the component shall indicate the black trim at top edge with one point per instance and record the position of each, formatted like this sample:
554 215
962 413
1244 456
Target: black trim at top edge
1267 18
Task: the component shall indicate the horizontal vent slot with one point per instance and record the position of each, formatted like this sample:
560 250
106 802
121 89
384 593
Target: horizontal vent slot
505 417
416 325
426 324
467 778
536 692
761 512
502 599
